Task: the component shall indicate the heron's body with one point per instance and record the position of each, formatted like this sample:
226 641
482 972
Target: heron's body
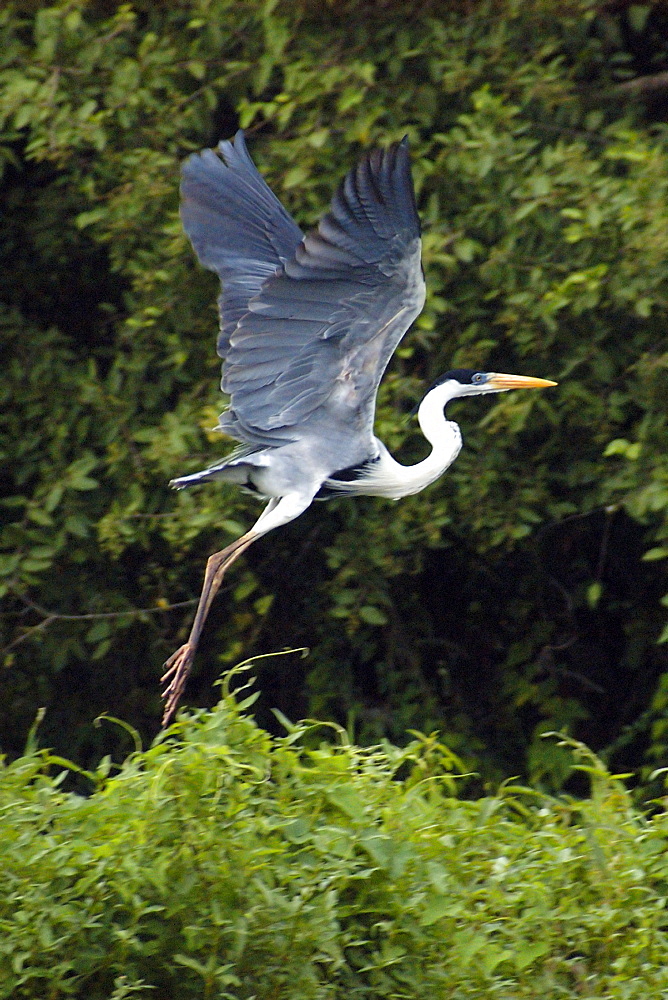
372 471
308 326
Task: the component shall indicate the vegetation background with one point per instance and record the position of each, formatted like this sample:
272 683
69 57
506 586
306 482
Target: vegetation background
243 857
526 591
224 863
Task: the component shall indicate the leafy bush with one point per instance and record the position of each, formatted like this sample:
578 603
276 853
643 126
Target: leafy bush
225 863
520 594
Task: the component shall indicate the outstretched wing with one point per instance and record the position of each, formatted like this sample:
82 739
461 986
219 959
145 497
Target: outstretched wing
318 333
237 226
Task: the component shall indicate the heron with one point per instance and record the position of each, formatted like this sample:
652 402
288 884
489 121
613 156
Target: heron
308 324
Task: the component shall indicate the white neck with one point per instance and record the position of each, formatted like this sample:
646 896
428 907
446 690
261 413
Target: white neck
387 478
443 435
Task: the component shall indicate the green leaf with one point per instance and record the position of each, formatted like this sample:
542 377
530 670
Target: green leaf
659 552
437 908
594 591
347 800
637 15
372 615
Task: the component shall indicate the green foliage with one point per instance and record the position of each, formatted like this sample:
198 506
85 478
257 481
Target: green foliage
509 599
225 863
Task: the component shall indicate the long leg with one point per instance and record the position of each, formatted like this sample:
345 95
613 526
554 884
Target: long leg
179 665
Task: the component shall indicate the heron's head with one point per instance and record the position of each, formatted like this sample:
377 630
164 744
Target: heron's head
469 382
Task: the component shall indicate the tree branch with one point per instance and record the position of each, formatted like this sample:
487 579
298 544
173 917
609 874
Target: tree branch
642 86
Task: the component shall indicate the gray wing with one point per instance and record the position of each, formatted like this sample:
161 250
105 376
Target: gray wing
320 332
308 324
237 226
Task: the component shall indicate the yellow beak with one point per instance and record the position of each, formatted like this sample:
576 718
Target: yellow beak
500 381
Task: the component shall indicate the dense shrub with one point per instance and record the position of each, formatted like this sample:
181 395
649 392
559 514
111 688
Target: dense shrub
225 863
520 594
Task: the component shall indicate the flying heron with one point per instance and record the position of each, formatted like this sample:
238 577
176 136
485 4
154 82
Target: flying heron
308 324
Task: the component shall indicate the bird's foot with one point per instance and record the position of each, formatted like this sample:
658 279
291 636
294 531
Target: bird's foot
177 668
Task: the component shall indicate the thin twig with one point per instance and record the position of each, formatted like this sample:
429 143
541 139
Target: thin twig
641 86
48 617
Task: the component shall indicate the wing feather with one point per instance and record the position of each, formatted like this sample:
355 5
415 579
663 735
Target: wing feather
308 323
336 310
237 226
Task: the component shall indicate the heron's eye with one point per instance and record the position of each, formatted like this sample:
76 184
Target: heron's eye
477 377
